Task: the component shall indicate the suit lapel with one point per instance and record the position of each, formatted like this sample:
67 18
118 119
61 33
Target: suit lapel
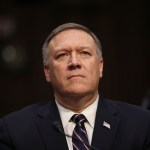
52 139
107 121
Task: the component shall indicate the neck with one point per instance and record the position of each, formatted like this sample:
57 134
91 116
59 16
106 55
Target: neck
76 103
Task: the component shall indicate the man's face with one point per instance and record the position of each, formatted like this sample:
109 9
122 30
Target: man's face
73 66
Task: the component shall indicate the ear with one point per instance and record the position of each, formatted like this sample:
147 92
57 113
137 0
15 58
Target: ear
101 63
46 72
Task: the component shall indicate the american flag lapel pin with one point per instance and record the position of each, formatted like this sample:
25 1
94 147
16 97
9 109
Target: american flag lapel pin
107 125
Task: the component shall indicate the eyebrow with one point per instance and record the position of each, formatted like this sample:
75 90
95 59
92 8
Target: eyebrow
77 48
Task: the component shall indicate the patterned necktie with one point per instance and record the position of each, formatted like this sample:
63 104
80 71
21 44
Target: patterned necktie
79 137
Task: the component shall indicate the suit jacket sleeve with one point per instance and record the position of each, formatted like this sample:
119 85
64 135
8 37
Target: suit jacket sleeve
5 141
147 145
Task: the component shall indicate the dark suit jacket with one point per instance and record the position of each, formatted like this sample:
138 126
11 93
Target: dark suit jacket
31 128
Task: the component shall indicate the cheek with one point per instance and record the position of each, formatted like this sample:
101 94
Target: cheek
95 72
94 68
57 72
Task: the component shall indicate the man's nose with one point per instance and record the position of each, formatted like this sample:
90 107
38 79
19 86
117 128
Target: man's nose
74 62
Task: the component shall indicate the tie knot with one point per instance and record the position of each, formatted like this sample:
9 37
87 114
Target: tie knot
78 118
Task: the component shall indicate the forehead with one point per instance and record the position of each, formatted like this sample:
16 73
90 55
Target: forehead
73 36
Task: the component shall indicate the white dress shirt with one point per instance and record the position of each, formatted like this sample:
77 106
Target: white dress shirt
89 113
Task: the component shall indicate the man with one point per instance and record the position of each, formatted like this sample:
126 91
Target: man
73 64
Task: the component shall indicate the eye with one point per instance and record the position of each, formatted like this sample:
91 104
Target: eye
62 55
85 53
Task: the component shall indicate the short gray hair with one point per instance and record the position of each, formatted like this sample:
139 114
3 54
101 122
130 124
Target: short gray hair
67 26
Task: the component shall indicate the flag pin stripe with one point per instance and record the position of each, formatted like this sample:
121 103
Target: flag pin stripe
107 125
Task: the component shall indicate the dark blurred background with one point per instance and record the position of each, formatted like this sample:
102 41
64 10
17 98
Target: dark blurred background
122 26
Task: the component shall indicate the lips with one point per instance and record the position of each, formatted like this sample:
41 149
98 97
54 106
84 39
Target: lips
76 76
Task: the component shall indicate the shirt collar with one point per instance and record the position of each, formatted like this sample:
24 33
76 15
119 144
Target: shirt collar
89 113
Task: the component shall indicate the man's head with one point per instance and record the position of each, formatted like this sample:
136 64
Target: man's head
73 61
63 27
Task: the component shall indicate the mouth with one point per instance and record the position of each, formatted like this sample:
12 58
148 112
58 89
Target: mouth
76 76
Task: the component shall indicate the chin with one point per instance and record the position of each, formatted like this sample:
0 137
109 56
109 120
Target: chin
78 92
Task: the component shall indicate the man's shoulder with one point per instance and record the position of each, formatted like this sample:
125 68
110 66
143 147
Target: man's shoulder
127 109
27 111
